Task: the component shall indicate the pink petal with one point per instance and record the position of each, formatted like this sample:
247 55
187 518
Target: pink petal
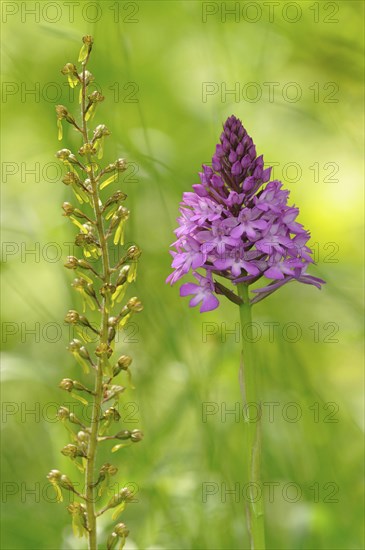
189 288
210 302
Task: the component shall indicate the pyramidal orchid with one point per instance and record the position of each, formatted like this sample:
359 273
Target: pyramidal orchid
237 225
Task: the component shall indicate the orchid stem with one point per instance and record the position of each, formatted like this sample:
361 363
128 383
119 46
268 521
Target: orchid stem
252 426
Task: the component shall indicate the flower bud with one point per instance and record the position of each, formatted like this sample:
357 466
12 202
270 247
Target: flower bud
121 530
120 165
111 334
68 208
63 413
95 97
87 149
112 391
103 349
123 275
124 495
63 154
134 304
107 289
71 178
61 111
74 420
72 262
111 414
136 436
88 40
54 476
72 451
66 483
100 131
75 346
124 362
115 198
66 384
72 317
69 68
134 252
83 437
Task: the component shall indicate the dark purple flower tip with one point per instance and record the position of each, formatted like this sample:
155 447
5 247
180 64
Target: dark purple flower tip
232 157
219 151
236 168
266 174
216 163
200 190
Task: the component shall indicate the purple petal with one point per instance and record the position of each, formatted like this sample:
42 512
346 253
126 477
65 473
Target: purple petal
236 168
189 288
274 273
209 303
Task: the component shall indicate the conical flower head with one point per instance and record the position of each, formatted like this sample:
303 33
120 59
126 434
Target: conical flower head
233 226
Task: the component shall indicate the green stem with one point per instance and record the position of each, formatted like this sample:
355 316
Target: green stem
98 389
252 426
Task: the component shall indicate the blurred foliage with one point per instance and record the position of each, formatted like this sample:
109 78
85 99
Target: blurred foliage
152 62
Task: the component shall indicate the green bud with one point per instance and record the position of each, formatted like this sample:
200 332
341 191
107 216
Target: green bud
121 165
107 289
95 97
66 483
112 414
68 208
121 530
71 178
72 451
72 262
134 304
63 154
134 252
125 361
109 469
87 149
103 349
66 384
75 346
124 495
136 436
123 275
72 317
111 334
63 413
54 476
69 68
83 437
100 131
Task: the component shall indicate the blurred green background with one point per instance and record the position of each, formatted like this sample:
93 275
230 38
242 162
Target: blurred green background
166 69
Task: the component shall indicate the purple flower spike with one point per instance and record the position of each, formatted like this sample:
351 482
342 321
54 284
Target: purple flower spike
234 226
